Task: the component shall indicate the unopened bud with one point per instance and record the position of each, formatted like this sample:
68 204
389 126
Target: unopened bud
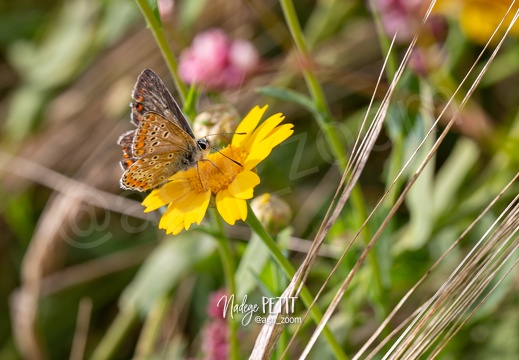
218 122
272 212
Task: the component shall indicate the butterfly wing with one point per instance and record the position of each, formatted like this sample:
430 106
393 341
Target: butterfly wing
160 149
148 172
150 94
126 141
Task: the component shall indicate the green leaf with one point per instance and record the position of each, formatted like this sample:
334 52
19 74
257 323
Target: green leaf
165 267
452 174
420 198
251 265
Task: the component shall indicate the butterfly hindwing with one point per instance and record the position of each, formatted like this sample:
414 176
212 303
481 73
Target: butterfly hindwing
150 94
148 172
126 141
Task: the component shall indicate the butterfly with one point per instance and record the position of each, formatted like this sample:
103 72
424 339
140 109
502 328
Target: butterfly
163 143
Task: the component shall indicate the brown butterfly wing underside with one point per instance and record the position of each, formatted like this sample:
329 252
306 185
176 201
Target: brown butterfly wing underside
150 94
159 149
163 142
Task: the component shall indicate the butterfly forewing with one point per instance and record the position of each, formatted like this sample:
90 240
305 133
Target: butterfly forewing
162 149
150 94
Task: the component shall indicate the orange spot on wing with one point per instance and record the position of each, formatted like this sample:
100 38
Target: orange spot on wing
139 145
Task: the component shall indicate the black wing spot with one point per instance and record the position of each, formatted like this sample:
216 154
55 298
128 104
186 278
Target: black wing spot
156 157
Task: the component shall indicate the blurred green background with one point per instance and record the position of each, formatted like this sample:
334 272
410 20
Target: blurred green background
80 261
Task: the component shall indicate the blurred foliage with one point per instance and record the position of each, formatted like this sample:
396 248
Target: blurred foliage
67 69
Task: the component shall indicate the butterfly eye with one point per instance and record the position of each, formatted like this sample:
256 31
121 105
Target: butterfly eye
203 144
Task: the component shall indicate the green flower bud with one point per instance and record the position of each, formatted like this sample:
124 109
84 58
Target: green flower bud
272 212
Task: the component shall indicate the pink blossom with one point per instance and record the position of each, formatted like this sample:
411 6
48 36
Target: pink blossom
214 305
216 62
400 17
215 334
243 56
215 340
166 9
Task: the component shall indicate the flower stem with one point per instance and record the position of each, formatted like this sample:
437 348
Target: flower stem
325 121
287 268
229 267
156 29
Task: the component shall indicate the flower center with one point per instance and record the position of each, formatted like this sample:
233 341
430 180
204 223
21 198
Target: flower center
217 171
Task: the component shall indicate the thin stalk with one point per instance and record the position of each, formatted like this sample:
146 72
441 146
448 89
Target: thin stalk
289 271
156 29
118 330
229 268
151 329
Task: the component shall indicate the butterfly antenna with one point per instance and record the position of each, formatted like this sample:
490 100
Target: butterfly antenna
226 133
221 153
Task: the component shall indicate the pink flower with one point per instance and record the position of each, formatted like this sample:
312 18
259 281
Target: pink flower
216 303
215 340
216 62
166 9
215 334
400 17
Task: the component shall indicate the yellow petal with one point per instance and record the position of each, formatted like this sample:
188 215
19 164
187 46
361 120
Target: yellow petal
264 129
247 125
196 214
153 201
230 208
243 185
280 134
260 151
182 214
172 220
173 191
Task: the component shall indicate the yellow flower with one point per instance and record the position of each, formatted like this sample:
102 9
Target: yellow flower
230 182
479 18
